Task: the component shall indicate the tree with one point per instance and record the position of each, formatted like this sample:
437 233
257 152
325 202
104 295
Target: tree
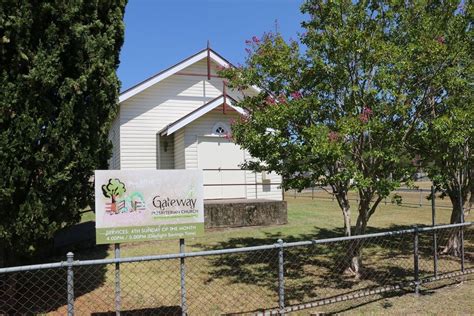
337 112
449 143
444 138
440 35
59 94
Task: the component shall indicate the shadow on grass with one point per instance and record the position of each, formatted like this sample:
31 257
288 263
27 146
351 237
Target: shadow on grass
317 271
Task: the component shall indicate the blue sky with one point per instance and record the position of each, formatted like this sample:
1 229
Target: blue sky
160 33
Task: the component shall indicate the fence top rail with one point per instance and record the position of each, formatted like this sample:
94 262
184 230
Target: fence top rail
42 266
373 235
64 264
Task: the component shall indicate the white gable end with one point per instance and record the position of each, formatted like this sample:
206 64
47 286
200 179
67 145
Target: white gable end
189 62
144 114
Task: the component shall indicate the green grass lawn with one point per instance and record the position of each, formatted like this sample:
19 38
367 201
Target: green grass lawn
307 219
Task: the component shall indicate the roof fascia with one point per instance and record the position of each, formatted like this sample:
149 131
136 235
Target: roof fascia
127 94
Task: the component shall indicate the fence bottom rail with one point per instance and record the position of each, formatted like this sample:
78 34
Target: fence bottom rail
364 293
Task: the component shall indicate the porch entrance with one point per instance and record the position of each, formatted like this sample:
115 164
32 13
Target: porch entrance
220 159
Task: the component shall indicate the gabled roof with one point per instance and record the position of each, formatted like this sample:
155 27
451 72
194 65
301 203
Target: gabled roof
172 70
190 117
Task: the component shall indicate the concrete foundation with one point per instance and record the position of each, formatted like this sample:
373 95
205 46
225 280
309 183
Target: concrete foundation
243 212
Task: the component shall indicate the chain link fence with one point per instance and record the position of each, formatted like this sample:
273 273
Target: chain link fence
269 279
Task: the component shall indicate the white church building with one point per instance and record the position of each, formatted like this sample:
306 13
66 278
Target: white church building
179 119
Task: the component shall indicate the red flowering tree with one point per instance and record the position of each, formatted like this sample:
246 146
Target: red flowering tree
340 112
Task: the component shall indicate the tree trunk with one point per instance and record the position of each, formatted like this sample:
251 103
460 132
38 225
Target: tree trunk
470 204
343 201
366 210
453 246
354 252
346 212
3 253
113 207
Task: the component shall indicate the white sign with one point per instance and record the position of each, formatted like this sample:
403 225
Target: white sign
139 205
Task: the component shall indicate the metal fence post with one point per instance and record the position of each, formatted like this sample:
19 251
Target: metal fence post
435 239
416 262
118 299
184 308
281 278
461 232
70 284
421 197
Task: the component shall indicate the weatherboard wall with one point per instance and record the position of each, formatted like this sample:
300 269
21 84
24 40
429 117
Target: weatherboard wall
114 138
265 189
148 112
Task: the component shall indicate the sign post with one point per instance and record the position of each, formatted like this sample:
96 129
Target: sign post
184 309
118 299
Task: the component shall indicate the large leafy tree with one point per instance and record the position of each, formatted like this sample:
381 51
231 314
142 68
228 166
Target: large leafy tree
59 93
448 140
445 137
338 108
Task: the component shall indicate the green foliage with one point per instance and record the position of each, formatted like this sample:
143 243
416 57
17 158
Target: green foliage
447 139
444 139
114 188
59 94
340 106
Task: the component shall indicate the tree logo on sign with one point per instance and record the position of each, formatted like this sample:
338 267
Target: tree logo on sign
113 190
